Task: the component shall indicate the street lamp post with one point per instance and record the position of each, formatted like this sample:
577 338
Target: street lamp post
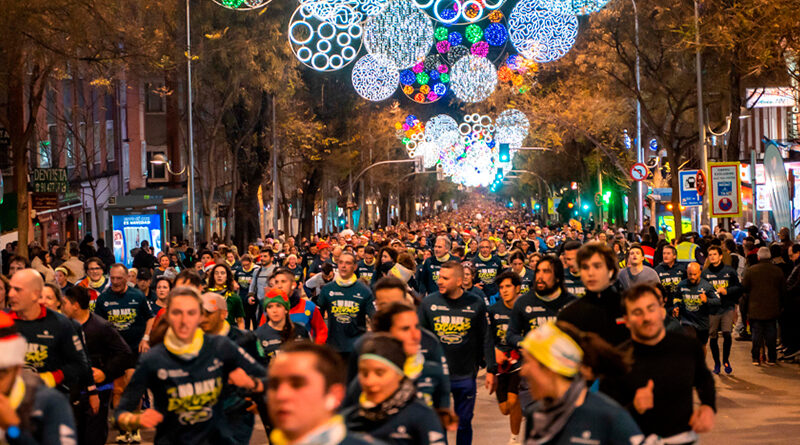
701 127
639 153
190 183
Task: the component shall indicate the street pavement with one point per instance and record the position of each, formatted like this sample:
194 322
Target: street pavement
756 405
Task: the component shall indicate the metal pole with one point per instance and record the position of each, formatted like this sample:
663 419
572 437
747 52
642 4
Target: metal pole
639 154
754 185
600 190
274 169
190 182
703 153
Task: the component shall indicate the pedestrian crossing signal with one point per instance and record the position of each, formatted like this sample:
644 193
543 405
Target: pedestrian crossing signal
505 153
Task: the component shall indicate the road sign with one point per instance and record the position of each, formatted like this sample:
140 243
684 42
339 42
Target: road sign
638 171
598 199
50 180
725 189
690 195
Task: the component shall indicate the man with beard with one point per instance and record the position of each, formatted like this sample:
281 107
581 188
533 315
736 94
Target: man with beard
572 271
488 266
667 367
670 273
458 319
726 282
429 274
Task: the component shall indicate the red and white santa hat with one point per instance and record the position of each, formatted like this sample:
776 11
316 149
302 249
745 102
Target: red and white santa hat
12 345
209 265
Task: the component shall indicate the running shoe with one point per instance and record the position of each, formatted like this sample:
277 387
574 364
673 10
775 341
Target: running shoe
728 368
716 368
124 438
756 363
136 437
771 363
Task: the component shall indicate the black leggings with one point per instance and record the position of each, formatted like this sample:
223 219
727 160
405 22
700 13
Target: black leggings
726 348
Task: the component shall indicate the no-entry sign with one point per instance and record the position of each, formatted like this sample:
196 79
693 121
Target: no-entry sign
638 171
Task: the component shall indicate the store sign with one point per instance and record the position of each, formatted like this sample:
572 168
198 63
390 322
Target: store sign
770 97
44 201
50 180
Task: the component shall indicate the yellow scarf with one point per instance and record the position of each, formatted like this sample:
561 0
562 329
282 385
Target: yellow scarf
17 393
484 258
345 283
413 365
182 350
443 259
97 284
333 431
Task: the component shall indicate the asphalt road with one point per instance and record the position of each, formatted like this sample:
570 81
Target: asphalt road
756 405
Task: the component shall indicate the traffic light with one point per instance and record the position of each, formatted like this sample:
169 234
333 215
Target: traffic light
586 207
537 206
607 196
570 205
499 176
418 166
573 185
504 153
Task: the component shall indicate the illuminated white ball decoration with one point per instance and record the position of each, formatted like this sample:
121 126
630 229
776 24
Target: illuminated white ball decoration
512 127
441 130
429 152
400 32
585 7
451 12
242 5
321 44
473 78
375 78
543 30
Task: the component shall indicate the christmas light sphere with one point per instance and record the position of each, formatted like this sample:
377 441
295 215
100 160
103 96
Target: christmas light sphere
473 79
451 12
512 127
345 12
441 130
543 30
585 7
320 44
401 32
375 78
429 152
242 5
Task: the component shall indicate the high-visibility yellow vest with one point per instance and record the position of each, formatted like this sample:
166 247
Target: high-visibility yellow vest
686 251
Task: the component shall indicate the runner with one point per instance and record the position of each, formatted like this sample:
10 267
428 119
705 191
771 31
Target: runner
347 303
279 328
186 375
367 266
303 311
94 280
502 357
244 276
388 408
667 368
526 276
566 412
30 411
670 273
459 320
488 266
696 296
220 281
726 282
572 270
429 275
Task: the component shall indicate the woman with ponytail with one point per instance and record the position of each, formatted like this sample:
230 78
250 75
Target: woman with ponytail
558 360
279 327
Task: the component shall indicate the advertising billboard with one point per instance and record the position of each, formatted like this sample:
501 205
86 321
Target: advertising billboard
130 230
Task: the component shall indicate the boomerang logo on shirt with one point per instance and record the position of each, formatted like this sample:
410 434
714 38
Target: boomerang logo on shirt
345 310
487 274
451 329
192 402
36 355
122 319
536 322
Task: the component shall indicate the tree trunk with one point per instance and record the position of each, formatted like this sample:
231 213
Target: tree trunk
384 206
308 200
735 79
19 144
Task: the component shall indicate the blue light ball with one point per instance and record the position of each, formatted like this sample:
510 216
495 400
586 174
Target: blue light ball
455 38
407 77
439 89
495 34
434 74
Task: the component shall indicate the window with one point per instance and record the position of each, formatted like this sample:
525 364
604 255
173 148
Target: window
96 142
45 150
69 146
110 140
154 101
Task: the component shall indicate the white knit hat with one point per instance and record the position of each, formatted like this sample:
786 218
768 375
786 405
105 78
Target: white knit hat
12 345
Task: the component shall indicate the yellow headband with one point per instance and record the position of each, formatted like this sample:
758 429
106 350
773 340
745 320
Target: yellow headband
554 349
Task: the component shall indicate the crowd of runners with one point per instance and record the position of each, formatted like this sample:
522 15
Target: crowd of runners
590 335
